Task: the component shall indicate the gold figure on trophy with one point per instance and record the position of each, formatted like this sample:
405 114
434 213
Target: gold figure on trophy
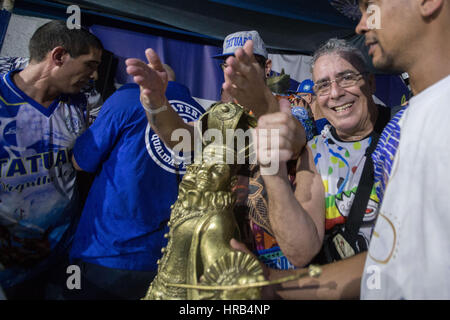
202 223
198 261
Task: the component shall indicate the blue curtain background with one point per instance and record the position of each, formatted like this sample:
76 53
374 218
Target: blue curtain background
191 62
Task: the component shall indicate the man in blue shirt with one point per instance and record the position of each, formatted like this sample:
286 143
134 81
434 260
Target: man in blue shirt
121 231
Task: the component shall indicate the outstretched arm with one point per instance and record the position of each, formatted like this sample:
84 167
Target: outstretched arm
152 80
244 81
338 280
296 217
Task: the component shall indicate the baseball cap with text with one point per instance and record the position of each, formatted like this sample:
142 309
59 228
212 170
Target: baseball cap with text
237 40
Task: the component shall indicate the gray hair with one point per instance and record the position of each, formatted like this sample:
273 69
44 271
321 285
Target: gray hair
345 50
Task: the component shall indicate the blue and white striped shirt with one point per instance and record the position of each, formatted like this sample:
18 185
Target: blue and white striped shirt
383 156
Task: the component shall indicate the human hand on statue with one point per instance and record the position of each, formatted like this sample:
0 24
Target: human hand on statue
245 82
278 138
268 292
151 78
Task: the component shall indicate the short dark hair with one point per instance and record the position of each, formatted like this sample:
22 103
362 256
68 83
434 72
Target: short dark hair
56 33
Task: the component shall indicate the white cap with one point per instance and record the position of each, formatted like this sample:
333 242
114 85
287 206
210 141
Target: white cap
236 40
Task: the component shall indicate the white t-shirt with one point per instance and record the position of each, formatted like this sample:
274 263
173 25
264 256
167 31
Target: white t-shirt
409 253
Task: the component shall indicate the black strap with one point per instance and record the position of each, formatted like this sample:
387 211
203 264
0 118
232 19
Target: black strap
359 206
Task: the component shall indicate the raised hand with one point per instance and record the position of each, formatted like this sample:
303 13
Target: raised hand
151 78
245 82
279 137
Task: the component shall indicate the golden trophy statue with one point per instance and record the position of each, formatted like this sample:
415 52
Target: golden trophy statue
198 262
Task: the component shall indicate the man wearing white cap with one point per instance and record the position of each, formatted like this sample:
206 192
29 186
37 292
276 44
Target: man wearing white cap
252 215
256 231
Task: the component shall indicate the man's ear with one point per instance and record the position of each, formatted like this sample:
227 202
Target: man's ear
429 8
268 67
59 55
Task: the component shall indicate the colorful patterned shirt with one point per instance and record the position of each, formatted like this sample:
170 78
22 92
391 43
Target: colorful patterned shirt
341 164
251 211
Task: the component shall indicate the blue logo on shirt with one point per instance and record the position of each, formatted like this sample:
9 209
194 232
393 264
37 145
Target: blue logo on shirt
159 152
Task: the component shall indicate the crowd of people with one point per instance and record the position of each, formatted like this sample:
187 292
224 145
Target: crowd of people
359 190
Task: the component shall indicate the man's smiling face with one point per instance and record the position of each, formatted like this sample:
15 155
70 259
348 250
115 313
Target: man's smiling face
347 109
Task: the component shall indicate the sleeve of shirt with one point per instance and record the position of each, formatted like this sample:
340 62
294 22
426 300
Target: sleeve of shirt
94 146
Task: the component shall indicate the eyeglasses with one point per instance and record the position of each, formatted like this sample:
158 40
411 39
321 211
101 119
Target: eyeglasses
323 88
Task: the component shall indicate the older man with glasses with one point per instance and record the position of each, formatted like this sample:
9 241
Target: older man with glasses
332 211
